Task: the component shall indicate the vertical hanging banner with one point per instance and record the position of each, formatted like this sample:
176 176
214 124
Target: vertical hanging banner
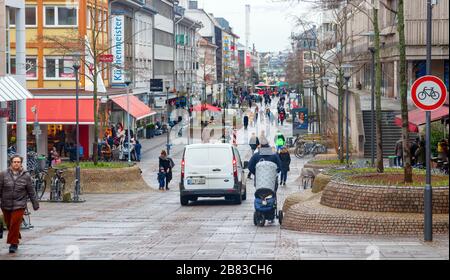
118 48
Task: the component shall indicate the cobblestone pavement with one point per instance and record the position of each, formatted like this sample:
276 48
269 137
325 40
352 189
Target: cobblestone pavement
154 225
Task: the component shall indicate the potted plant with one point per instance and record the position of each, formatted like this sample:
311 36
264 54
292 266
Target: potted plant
150 130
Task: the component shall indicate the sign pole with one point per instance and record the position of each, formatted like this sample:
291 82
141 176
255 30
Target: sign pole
428 218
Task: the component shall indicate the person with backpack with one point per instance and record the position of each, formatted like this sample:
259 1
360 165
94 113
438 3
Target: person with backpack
167 164
279 140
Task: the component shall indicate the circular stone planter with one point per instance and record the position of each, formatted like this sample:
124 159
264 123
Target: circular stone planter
107 180
344 195
320 182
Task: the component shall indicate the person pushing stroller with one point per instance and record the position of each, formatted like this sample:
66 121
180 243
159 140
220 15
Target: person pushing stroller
265 165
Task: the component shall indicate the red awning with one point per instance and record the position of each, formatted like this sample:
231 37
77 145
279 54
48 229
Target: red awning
138 109
417 118
61 111
206 107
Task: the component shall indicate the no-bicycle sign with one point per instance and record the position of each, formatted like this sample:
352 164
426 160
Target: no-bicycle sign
428 93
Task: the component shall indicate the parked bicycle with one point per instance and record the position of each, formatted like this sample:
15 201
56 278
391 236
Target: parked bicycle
39 181
57 185
307 148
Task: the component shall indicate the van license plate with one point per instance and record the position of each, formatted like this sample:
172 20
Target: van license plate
196 181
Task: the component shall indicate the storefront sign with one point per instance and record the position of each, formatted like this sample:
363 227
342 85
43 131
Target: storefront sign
118 48
156 85
106 58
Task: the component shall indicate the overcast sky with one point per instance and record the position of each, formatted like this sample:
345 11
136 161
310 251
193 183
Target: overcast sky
271 21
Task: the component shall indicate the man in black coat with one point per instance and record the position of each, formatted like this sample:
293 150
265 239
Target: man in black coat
245 122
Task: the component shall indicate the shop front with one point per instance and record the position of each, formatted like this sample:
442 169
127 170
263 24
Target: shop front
52 123
140 113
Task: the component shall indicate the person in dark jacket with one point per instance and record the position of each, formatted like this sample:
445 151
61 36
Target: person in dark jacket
15 188
166 163
285 162
245 122
137 149
421 155
265 152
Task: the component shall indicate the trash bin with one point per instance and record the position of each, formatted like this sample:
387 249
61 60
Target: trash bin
41 162
392 161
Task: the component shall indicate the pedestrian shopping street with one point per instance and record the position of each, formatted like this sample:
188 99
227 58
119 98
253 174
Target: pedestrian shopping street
153 225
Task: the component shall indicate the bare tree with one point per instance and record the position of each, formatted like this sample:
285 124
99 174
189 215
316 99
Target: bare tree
90 48
403 92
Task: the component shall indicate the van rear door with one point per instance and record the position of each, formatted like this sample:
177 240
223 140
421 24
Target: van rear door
220 168
196 169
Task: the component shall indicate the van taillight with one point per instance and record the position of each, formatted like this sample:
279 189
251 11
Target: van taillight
234 168
182 169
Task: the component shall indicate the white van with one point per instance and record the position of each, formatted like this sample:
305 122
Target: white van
212 170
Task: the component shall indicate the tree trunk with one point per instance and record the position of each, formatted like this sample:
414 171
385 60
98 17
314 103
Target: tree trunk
403 94
341 115
94 78
380 165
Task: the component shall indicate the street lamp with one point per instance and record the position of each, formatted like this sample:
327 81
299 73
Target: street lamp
168 117
325 81
347 75
188 102
76 67
127 83
371 49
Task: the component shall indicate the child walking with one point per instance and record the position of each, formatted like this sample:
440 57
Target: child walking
161 179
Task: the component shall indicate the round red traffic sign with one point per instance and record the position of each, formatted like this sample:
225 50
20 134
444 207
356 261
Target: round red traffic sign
428 93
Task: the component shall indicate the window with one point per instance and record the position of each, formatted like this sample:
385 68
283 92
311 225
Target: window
88 18
30 16
31 67
163 38
59 68
49 15
67 16
61 16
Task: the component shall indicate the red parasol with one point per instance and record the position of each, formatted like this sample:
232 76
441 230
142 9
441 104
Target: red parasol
206 107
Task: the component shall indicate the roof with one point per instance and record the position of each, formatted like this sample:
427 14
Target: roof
61 111
136 107
11 90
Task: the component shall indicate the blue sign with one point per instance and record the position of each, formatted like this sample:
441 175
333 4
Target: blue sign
300 121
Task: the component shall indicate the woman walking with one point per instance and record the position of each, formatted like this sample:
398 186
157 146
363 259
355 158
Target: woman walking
285 162
166 164
15 189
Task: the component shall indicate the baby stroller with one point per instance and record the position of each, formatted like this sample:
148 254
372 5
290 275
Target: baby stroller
266 194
